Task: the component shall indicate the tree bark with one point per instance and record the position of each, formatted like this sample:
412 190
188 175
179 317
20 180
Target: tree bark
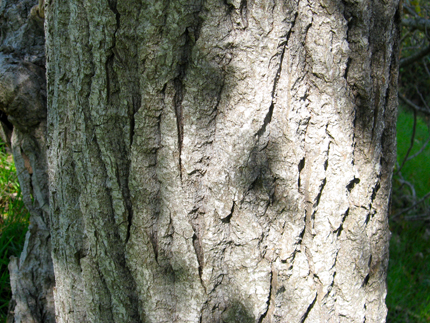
23 102
217 161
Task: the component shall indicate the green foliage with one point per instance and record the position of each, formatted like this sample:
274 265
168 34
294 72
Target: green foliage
414 78
415 170
408 280
13 224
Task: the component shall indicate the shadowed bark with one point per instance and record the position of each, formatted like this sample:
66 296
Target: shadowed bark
23 104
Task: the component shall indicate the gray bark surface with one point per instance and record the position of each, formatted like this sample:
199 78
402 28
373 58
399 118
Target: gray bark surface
221 161
23 100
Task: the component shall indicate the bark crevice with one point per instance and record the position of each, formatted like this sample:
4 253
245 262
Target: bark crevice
269 298
284 45
308 310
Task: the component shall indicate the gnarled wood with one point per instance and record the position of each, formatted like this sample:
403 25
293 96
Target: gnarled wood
23 101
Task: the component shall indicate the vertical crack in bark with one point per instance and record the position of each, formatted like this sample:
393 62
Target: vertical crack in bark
244 13
215 110
228 217
283 44
371 211
267 118
347 14
330 287
366 280
155 201
177 101
133 107
305 316
113 8
328 154
200 256
301 236
153 237
375 190
122 278
376 112
338 231
317 199
300 167
129 207
179 86
136 104
192 33
269 298
126 189
348 65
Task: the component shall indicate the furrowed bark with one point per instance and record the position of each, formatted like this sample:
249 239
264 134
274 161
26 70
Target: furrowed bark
221 161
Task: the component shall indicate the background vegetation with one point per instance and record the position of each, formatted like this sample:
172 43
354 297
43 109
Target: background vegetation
408 297
13 224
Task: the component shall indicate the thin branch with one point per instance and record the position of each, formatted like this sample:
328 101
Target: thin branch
410 10
409 313
414 130
422 98
412 206
420 217
402 181
414 57
416 23
414 106
406 35
425 66
420 151
427 107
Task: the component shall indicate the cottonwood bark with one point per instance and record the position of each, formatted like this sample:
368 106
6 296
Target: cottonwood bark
23 117
221 161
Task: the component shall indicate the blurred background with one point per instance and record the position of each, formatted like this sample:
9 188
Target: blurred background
408 297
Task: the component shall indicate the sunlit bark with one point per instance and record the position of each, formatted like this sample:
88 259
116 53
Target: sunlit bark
221 161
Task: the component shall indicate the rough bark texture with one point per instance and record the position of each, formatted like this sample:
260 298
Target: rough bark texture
221 161
23 102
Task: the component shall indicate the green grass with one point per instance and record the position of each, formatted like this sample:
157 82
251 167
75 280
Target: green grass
13 224
408 279
408 297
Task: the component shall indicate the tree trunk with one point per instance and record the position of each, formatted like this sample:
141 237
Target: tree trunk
23 102
217 161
